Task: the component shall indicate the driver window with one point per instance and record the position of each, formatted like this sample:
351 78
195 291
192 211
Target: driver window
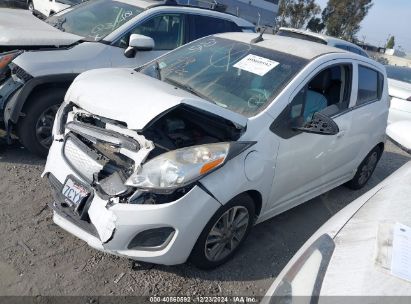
328 92
166 31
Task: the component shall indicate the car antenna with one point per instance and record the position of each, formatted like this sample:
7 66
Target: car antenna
260 37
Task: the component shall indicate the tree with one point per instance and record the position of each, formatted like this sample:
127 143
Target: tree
315 25
342 18
296 13
391 43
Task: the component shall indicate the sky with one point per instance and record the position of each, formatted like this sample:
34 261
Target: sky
386 17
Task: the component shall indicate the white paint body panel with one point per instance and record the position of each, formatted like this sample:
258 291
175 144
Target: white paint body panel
21 28
48 7
290 171
133 94
352 270
187 216
400 132
400 108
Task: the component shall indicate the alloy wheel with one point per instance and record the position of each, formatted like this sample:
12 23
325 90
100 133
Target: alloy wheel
44 126
227 233
368 168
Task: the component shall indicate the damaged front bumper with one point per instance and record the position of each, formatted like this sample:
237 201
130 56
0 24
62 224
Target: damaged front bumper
125 229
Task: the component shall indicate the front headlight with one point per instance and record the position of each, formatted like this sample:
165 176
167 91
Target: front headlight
179 168
6 58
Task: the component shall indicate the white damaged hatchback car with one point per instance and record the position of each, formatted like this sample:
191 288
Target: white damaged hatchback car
179 158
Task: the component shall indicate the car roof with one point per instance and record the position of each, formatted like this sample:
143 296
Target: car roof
293 46
166 5
328 39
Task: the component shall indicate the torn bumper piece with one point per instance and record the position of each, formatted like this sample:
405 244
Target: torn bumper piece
123 229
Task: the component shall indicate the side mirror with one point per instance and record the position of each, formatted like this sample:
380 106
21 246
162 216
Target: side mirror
320 124
138 43
399 134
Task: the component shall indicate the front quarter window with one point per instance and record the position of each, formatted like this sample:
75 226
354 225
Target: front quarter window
94 20
238 76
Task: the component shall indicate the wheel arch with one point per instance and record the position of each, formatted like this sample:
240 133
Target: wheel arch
257 199
16 106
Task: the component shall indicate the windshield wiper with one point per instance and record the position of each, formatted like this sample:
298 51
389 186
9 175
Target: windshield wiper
188 88
158 69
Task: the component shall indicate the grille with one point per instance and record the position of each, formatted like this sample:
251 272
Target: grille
81 158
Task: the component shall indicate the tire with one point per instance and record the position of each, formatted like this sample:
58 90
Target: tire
34 130
30 6
202 255
365 169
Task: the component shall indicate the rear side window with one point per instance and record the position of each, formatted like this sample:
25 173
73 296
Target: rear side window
202 26
370 84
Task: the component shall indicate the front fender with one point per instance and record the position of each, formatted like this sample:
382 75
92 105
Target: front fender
14 106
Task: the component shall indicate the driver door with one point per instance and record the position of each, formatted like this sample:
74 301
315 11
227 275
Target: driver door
167 31
309 164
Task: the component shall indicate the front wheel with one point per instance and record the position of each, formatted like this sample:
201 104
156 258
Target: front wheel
224 233
365 169
35 129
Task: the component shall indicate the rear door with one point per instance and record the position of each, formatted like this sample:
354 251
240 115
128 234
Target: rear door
369 109
200 26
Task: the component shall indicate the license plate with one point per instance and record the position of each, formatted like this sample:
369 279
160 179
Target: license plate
73 192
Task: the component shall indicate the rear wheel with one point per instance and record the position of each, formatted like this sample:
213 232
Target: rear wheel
365 169
35 129
224 233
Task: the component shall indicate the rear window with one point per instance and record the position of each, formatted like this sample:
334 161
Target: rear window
202 26
300 36
370 84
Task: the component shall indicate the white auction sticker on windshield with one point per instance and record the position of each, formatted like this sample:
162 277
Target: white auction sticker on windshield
256 64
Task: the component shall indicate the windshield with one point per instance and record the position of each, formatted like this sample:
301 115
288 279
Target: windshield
399 73
94 20
241 77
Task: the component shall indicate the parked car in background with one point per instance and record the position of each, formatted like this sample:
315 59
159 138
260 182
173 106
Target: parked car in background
399 87
323 39
46 8
175 160
353 253
14 3
95 34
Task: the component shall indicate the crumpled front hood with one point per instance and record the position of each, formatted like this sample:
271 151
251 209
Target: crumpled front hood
131 97
21 28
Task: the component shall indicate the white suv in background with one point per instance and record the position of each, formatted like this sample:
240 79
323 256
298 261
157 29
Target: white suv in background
180 158
46 8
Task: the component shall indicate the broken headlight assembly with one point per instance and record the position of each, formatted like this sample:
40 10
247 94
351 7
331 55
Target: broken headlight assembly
5 60
61 119
179 168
